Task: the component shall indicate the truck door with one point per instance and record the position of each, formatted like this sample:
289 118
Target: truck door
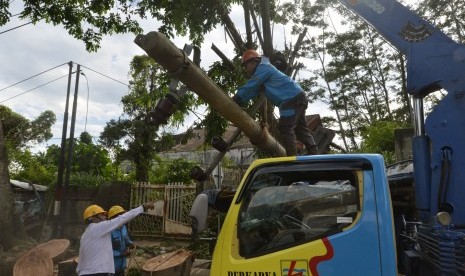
306 216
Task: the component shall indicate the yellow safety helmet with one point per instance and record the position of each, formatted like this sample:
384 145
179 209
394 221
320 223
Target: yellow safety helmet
93 210
115 210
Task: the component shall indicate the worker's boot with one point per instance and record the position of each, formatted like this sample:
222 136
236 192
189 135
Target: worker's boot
312 150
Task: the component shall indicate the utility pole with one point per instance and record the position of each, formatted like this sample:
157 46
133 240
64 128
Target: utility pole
61 162
63 215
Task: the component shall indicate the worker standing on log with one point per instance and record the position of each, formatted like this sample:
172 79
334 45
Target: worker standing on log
95 249
283 92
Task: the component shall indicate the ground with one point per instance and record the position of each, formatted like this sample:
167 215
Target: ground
145 249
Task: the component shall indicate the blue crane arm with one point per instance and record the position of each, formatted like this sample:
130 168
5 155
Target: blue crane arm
434 61
426 48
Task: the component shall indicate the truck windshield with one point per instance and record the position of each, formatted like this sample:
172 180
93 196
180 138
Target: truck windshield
284 208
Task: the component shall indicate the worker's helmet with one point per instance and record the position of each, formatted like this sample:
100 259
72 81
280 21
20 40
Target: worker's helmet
115 210
93 210
248 55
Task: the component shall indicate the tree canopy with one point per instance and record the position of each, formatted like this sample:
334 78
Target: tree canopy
340 61
89 21
21 132
133 136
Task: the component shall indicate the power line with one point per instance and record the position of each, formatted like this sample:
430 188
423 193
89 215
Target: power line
33 88
16 27
87 104
125 84
56 80
32 76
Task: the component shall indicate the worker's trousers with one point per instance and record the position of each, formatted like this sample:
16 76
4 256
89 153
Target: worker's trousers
292 124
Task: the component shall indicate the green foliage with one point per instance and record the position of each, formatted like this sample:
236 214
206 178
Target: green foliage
85 138
87 157
214 123
90 158
84 179
31 168
379 138
20 132
149 84
84 20
165 142
168 171
196 17
445 14
89 21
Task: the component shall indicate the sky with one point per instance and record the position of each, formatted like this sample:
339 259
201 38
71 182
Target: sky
32 49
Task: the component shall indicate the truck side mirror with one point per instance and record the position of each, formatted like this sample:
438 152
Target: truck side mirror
199 213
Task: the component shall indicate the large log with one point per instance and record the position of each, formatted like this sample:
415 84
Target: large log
38 261
55 248
173 59
34 263
178 263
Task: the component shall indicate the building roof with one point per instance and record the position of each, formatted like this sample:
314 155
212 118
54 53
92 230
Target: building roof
27 186
198 139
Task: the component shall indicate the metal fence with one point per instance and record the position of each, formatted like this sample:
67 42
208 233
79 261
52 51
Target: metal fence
171 214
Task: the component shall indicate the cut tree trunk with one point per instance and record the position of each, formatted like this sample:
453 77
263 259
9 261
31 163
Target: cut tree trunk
56 248
38 261
34 263
178 263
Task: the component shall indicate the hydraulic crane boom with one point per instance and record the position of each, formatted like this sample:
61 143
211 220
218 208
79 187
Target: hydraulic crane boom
435 62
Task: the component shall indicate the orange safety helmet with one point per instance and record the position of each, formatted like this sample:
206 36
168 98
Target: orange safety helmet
248 55
93 210
115 210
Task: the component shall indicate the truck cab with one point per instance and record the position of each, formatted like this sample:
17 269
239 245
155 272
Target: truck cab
309 215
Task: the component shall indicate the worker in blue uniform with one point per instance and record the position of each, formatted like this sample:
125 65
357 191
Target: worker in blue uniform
282 92
121 243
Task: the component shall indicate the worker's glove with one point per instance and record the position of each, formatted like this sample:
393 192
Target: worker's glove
131 246
148 205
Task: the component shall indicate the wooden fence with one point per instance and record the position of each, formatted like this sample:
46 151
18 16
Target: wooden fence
170 218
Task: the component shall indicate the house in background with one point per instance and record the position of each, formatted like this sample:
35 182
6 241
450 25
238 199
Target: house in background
242 153
29 202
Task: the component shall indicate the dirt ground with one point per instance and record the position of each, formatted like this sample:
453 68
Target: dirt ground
145 249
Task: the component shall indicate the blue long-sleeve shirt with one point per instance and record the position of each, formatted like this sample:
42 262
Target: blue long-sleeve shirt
120 241
279 87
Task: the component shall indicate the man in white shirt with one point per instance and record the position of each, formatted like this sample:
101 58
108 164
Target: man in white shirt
95 250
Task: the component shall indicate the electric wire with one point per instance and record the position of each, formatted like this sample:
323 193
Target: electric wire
32 76
87 103
125 84
22 25
33 88
55 80
44 84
